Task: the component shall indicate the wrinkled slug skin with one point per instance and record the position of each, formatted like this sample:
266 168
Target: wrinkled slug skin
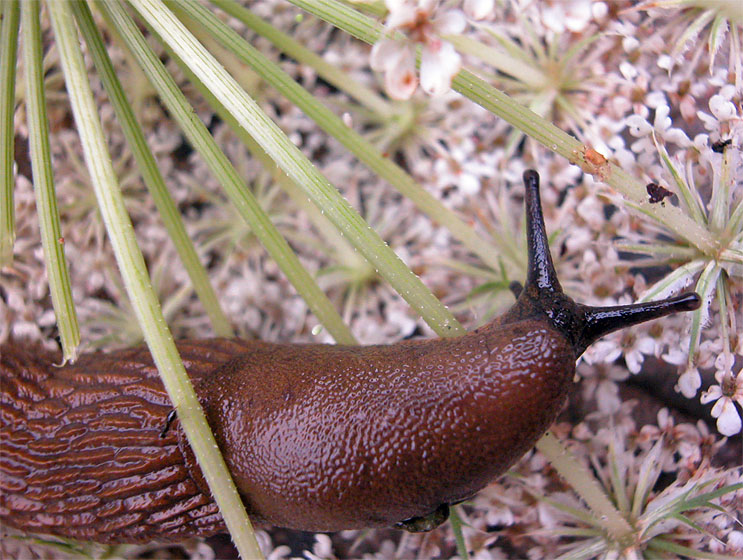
325 438
80 449
318 437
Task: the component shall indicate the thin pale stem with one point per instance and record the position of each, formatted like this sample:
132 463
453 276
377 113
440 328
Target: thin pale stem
296 165
138 286
43 178
242 198
151 174
334 126
327 71
8 50
471 86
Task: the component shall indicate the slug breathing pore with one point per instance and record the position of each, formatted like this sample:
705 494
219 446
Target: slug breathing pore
317 437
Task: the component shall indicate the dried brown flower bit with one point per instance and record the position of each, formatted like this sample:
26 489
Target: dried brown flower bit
657 193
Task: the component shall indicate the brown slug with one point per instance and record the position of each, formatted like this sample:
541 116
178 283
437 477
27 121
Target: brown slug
317 437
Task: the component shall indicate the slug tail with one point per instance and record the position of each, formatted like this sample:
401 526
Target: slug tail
541 275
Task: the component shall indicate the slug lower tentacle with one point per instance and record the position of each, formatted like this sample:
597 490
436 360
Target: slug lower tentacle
317 437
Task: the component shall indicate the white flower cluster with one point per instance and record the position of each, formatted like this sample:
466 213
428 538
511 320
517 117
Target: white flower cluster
658 113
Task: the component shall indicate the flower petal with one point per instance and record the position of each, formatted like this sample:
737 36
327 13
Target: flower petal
384 55
721 108
711 394
400 80
401 13
689 382
638 126
478 9
728 421
439 64
450 22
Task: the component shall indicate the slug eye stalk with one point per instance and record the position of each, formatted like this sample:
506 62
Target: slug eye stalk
581 324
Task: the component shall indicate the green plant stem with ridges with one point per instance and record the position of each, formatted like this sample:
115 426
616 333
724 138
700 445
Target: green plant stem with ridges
689 196
297 166
565 145
43 179
500 60
334 126
8 51
335 322
474 88
670 549
332 236
138 286
456 526
151 174
242 199
328 72
705 285
734 226
722 193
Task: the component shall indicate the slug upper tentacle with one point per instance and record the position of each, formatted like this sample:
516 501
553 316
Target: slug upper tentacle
317 437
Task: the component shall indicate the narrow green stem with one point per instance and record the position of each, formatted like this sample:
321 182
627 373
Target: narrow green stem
46 198
734 226
334 126
296 165
328 72
722 192
456 527
499 59
8 51
332 236
343 17
471 86
242 198
151 174
138 286
704 287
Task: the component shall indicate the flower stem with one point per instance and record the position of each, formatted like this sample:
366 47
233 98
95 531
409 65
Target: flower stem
333 125
46 199
296 165
147 165
471 86
138 286
8 50
328 72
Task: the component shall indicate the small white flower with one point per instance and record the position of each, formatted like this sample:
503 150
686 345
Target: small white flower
689 382
478 9
600 381
628 70
728 419
721 108
635 354
638 126
397 61
727 393
630 44
571 15
396 58
439 64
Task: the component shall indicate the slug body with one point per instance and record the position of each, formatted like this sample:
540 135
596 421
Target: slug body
317 437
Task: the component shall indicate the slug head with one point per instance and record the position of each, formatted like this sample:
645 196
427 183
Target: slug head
542 294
